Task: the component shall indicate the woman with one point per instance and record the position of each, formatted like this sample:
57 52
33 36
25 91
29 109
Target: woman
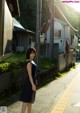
29 86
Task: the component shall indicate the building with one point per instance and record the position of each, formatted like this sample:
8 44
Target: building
22 38
8 10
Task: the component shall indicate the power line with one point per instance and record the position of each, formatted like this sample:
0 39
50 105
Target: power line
58 7
56 3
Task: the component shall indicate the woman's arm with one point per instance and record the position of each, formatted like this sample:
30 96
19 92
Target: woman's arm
29 69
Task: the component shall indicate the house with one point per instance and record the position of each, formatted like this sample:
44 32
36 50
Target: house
22 38
59 34
63 40
8 10
60 46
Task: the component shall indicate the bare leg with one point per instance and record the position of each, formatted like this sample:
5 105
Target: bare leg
24 105
29 105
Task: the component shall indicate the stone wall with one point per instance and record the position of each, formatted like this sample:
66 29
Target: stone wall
64 61
12 82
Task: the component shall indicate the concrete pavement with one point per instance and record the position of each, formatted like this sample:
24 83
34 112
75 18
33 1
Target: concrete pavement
48 97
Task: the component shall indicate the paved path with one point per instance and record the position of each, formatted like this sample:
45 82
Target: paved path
59 96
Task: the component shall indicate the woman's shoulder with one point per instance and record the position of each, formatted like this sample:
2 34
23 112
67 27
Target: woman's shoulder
27 62
31 62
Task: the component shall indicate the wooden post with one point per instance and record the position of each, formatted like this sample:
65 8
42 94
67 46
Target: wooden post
38 28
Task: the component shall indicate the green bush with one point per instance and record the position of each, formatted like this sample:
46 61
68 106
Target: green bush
4 67
46 63
16 61
13 63
11 67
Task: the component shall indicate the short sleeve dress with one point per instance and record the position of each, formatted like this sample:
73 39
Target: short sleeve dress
27 94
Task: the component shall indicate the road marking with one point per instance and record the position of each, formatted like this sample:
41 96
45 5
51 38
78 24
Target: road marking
61 104
77 105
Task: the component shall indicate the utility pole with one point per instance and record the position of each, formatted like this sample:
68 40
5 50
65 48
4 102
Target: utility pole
38 28
51 49
51 39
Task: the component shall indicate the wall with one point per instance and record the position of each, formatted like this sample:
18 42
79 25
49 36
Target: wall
47 35
25 39
62 61
67 34
75 41
1 27
8 30
60 40
11 83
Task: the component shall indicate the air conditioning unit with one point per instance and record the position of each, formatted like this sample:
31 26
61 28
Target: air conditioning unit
33 44
19 48
42 39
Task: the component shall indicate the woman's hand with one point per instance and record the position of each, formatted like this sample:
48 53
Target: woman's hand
36 82
34 87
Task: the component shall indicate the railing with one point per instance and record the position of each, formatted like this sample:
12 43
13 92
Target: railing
47 74
10 83
6 56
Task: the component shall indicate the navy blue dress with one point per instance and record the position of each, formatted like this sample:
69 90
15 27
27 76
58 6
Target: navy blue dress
27 94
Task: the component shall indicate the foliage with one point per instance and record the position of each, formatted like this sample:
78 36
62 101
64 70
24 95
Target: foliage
45 63
13 63
4 67
60 74
18 60
45 11
28 14
69 13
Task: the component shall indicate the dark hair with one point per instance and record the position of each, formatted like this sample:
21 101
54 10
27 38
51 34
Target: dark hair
29 51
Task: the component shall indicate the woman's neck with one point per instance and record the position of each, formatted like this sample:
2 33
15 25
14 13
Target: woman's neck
30 59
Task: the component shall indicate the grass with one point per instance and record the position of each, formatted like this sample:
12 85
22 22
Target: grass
60 74
16 58
45 63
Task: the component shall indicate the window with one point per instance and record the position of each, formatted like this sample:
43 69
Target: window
57 33
29 41
72 38
79 40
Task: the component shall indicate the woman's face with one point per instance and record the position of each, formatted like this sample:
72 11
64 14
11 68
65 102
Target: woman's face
32 55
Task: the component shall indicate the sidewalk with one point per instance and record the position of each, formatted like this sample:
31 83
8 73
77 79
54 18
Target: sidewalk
48 95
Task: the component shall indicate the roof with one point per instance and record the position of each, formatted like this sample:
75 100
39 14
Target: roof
45 26
18 27
17 24
58 7
13 7
57 25
61 13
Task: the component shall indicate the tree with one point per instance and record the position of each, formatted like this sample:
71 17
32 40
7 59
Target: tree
28 14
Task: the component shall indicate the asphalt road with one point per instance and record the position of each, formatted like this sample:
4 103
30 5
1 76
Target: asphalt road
59 96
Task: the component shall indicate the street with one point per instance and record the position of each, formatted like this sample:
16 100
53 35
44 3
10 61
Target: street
59 96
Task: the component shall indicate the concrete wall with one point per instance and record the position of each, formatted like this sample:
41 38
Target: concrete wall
24 39
12 82
8 30
1 25
62 63
59 40
68 34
